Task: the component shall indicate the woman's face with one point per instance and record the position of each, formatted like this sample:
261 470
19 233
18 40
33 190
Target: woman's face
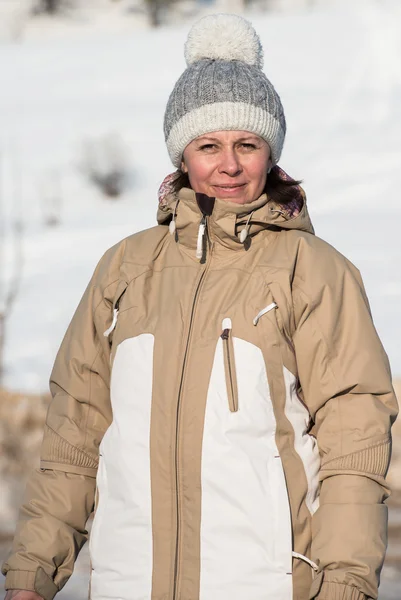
231 165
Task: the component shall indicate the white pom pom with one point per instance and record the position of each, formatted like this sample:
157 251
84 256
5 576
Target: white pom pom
224 37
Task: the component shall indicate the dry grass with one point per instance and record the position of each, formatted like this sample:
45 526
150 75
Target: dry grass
21 428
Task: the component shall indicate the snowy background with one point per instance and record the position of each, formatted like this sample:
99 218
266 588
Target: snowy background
66 83
93 84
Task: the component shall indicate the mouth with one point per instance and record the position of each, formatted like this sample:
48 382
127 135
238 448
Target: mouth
229 188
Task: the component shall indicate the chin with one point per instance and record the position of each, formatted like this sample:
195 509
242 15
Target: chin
237 200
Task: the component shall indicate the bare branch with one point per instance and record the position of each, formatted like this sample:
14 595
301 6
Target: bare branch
105 164
51 197
15 283
51 7
2 243
9 293
156 10
17 238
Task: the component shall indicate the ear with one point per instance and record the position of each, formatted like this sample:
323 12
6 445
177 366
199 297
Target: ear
184 167
269 165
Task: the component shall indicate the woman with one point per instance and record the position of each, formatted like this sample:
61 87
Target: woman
221 384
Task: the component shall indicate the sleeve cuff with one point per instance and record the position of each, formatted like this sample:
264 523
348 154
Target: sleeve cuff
329 590
34 581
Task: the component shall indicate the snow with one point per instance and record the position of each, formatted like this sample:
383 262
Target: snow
336 67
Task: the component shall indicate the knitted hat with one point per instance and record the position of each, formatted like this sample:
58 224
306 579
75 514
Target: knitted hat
223 88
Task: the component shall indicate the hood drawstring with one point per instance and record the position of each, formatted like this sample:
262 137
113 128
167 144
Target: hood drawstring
281 212
200 244
172 226
245 232
201 235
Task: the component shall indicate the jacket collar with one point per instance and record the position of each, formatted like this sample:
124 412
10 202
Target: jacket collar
225 220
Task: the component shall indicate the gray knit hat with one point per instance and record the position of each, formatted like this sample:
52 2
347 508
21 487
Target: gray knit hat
223 88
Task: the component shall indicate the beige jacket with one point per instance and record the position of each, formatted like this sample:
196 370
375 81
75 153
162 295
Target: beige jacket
233 410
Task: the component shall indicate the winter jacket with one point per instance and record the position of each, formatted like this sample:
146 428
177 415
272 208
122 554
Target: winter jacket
231 404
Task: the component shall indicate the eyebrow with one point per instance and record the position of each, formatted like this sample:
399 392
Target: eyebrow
249 137
205 138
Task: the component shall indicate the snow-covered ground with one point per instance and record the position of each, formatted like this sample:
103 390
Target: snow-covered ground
337 69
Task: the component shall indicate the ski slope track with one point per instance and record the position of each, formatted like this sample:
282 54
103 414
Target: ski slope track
65 83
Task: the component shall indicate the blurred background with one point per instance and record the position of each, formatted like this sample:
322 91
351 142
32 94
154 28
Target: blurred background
83 86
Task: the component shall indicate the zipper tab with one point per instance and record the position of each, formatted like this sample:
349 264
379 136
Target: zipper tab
113 324
115 315
263 312
227 326
229 365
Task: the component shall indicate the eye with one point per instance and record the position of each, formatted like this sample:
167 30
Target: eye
207 147
248 146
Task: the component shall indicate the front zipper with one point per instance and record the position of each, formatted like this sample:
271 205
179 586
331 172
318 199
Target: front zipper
229 365
206 262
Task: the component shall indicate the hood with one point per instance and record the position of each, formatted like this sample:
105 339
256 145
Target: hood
226 220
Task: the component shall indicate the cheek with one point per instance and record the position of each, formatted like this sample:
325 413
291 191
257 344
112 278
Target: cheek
199 172
257 172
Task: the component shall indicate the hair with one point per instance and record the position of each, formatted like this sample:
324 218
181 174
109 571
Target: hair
277 187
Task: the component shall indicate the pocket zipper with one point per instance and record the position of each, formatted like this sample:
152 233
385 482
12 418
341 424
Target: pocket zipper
113 323
115 316
263 312
229 365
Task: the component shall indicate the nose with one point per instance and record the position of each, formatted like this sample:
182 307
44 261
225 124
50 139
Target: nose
230 163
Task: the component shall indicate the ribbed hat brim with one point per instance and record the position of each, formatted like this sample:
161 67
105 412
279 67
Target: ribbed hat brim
224 116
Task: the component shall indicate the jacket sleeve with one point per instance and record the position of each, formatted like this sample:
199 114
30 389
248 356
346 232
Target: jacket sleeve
346 384
60 495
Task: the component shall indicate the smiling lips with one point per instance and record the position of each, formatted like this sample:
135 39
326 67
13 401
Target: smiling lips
230 187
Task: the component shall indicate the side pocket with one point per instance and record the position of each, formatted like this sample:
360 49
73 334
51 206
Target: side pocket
229 365
90 558
280 514
100 506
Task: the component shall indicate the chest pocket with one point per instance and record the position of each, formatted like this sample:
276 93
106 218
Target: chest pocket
275 319
230 367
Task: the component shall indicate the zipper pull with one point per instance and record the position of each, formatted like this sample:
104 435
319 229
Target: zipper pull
115 317
264 311
229 365
113 324
115 314
227 326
